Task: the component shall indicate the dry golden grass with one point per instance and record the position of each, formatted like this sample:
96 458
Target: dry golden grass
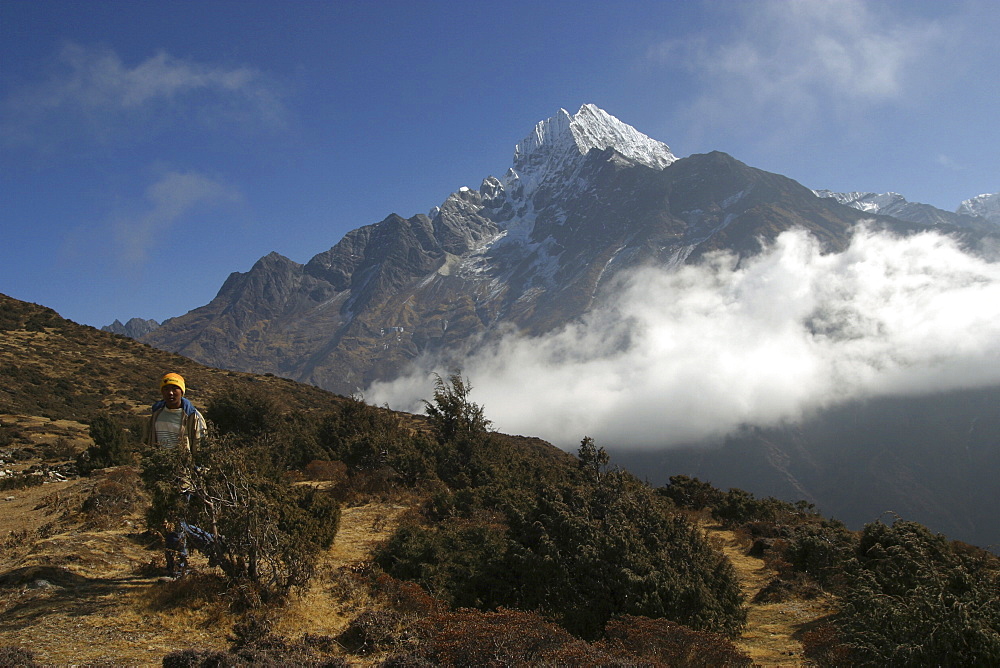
73 594
333 597
78 596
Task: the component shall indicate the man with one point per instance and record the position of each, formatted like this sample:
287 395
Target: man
175 423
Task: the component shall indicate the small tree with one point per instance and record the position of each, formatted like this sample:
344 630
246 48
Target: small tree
593 461
691 493
454 416
251 521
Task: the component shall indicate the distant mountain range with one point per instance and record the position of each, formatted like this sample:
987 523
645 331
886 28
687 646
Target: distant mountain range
135 328
982 212
587 199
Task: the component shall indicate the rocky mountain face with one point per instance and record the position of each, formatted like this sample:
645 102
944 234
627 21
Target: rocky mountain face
586 198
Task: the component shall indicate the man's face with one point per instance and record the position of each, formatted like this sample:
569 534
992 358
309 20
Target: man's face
172 395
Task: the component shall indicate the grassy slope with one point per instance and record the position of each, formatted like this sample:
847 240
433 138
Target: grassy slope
61 370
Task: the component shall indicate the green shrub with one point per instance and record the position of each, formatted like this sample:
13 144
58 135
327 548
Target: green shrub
267 531
114 445
17 656
58 451
21 481
246 411
820 549
460 560
113 498
367 438
581 552
738 507
912 598
691 493
588 553
7 435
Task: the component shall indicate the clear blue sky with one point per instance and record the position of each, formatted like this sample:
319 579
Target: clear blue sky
151 148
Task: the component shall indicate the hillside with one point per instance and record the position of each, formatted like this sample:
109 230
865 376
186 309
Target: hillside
926 458
58 369
486 522
86 577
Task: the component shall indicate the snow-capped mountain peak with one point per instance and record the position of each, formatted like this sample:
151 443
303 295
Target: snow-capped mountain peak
565 137
592 127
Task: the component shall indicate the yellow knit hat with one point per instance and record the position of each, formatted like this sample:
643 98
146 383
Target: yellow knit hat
173 379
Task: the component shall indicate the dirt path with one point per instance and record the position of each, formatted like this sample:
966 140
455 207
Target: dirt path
769 634
333 600
361 529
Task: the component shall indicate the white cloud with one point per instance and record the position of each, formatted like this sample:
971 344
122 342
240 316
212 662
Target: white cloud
948 163
699 352
173 196
794 62
94 87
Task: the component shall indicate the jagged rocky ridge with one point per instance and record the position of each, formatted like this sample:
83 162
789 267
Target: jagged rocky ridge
984 206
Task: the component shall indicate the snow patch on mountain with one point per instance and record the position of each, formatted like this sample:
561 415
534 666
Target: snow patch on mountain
868 202
985 206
